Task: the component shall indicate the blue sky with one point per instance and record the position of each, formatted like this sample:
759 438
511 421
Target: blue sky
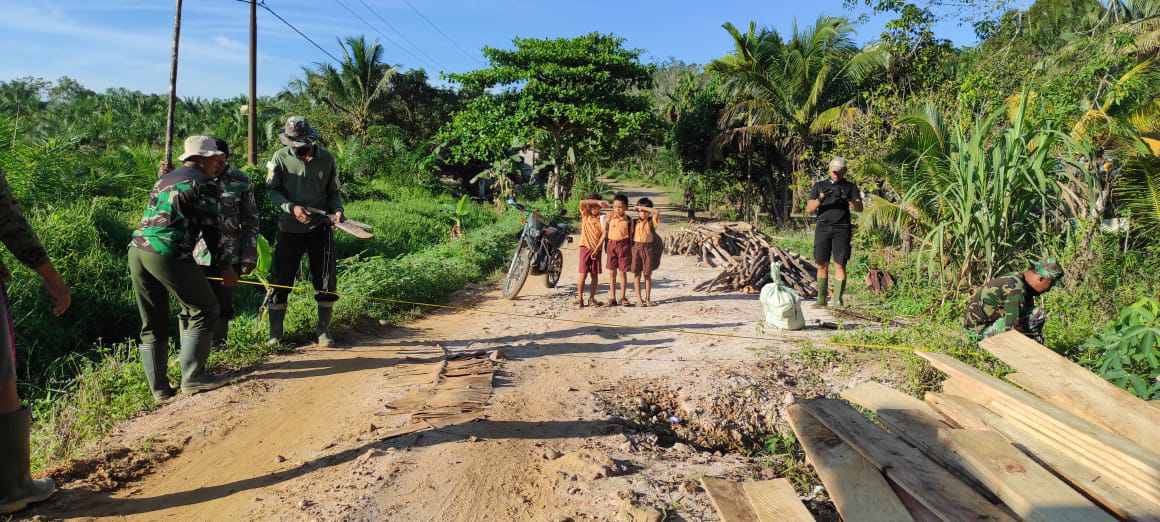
126 43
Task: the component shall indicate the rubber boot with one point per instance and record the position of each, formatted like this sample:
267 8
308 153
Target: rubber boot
221 332
277 319
155 359
839 290
823 293
17 489
325 311
195 347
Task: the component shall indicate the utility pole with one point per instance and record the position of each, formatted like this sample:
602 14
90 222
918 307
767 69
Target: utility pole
172 88
252 157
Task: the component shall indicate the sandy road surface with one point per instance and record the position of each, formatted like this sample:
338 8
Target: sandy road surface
302 437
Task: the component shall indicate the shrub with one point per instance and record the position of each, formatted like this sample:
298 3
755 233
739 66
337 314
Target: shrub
1128 351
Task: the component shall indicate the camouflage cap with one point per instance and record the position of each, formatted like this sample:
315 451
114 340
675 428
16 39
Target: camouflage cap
297 132
1048 268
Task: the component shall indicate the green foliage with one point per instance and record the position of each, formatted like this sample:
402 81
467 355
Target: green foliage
1139 191
1128 351
980 202
355 87
785 95
577 96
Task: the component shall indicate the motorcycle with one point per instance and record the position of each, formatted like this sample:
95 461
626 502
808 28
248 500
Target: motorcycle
538 252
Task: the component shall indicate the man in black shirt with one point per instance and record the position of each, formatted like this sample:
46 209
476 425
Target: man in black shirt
831 199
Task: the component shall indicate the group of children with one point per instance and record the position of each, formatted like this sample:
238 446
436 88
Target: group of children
628 243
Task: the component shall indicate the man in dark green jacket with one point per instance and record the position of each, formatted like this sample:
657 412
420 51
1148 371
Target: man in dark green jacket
17 489
183 206
301 176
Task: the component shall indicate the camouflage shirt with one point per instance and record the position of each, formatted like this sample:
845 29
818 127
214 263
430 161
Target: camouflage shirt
183 206
239 218
16 233
1003 303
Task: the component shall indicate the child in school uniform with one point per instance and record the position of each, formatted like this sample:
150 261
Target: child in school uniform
591 239
643 231
618 227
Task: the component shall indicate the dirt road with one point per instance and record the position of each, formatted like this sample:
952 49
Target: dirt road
305 435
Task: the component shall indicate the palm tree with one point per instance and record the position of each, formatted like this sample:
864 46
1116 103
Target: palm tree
356 86
787 93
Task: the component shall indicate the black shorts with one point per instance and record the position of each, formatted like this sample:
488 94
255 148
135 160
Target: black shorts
832 241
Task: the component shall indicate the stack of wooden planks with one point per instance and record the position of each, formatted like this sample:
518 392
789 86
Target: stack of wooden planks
744 253
1063 445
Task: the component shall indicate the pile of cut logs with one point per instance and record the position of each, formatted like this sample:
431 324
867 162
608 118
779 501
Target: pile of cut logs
744 253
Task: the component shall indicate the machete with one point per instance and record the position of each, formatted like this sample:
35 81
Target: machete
350 226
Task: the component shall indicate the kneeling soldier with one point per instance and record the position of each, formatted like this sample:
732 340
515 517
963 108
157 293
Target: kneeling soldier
1007 302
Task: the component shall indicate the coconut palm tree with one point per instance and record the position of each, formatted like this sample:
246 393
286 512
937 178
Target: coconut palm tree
787 93
356 86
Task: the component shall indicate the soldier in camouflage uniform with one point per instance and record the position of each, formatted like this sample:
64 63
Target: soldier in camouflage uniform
239 217
182 207
1007 302
303 174
17 489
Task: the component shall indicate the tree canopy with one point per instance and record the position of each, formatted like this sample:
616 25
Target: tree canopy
567 97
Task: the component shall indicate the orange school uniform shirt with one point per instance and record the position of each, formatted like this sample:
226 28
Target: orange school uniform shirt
619 228
643 231
591 229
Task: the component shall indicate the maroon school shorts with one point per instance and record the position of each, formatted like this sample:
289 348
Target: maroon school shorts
620 255
587 264
642 258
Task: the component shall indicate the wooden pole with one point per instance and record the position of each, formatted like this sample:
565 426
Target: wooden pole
252 157
172 87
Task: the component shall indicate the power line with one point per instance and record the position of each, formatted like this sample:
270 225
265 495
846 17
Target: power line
401 35
453 42
300 33
368 24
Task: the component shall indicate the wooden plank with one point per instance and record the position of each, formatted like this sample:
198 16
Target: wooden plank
1138 468
1024 486
1026 382
915 422
1093 483
776 501
917 511
876 396
929 483
958 387
858 489
729 500
1076 389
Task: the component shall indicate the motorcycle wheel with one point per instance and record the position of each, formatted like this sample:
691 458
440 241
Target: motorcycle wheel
555 268
517 272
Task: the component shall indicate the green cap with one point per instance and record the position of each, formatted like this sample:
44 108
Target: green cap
1048 268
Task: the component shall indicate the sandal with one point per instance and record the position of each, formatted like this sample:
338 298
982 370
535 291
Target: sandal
613 302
